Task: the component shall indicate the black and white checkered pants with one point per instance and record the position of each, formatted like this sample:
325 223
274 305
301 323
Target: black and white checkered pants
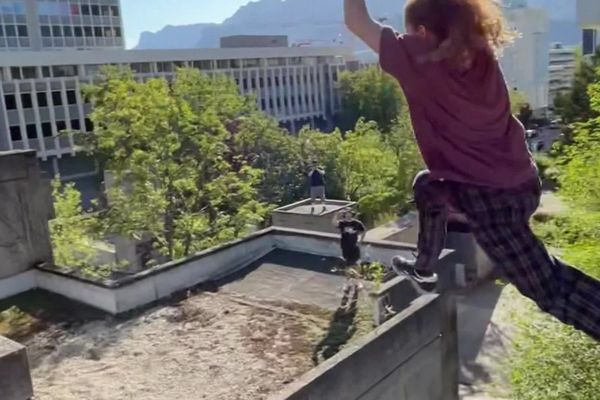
499 220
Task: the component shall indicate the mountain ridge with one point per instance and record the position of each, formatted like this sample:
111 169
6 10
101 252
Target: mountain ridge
301 23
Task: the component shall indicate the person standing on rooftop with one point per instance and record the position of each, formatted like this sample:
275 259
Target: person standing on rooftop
475 150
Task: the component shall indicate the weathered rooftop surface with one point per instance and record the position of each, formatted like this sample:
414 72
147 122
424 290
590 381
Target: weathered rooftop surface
260 330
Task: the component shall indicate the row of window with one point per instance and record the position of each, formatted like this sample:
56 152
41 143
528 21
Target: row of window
13 31
63 8
31 129
12 8
58 71
10 100
260 82
59 31
306 101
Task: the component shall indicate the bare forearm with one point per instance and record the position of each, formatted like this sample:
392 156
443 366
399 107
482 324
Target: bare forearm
361 24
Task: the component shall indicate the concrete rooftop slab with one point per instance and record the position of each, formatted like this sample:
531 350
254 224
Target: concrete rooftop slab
292 277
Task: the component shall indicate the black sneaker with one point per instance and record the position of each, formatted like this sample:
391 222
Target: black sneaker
423 282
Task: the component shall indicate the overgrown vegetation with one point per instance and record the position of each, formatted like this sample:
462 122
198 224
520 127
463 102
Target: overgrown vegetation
552 361
194 164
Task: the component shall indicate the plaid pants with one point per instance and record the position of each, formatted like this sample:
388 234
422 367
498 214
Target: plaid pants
499 220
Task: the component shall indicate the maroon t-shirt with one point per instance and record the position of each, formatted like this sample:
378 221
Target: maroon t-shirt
462 119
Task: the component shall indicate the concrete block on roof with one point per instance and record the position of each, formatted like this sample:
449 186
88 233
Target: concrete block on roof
15 378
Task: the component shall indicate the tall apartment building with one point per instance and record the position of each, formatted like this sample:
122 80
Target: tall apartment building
60 24
525 63
42 77
588 16
563 63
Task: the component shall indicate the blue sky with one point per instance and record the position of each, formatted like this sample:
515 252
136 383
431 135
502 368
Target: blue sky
152 15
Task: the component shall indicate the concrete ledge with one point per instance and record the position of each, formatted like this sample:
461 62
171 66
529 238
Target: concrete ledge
16 284
400 360
392 297
15 378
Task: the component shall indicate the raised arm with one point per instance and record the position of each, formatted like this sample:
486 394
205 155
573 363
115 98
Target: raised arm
361 24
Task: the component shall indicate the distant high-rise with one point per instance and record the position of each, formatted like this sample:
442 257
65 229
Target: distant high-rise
588 15
563 63
62 24
525 63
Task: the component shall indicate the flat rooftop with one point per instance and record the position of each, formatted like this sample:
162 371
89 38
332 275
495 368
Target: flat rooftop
243 338
306 208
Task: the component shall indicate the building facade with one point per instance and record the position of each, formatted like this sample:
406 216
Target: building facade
588 16
58 46
60 24
40 92
561 70
525 63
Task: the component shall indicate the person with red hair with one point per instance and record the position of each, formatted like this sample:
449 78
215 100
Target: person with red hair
474 148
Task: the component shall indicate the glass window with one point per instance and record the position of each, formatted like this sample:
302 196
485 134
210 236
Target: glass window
98 32
114 11
42 99
164 67
1 30
11 30
10 101
203 64
46 31
61 126
251 63
78 31
56 99
22 30
47 129
60 71
15 133
118 32
141 68
26 100
75 124
95 10
29 72
16 72
31 131
590 37
46 72
276 62
105 11
87 31
71 97
85 10
223 64
68 31
89 126
56 31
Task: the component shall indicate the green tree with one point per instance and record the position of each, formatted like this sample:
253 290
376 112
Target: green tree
370 94
323 148
72 232
368 169
574 105
520 107
168 147
262 144
580 173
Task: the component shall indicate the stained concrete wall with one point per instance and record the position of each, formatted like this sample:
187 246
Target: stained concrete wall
413 356
298 216
15 379
25 197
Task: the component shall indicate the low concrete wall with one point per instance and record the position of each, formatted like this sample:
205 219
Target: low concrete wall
24 215
157 283
16 284
15 379
295 216
411 356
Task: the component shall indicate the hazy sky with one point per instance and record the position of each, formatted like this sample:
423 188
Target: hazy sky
152 15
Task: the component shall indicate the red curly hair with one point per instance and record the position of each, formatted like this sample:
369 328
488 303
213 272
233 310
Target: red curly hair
460 27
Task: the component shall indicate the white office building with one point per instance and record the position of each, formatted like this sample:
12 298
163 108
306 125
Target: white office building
525 63
42 76
561 70
60 24
588 16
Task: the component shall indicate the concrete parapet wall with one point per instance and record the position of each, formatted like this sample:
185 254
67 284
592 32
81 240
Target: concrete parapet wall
15 378
408 357
25 198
